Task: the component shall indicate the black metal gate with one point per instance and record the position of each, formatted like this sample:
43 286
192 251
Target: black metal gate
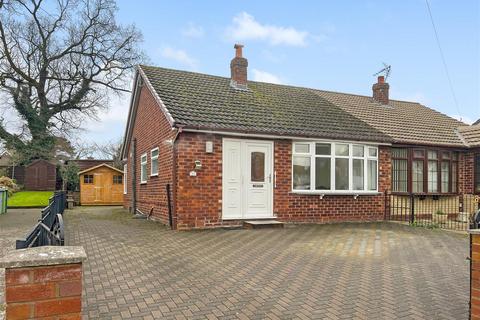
452 211
49 231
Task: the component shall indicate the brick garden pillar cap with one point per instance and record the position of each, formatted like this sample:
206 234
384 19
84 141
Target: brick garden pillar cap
474 231
43 256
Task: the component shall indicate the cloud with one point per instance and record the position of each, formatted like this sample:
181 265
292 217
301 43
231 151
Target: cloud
245 27
193 31
180 56
263 76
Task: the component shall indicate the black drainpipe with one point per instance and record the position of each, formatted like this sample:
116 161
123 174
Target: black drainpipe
134 176
169 202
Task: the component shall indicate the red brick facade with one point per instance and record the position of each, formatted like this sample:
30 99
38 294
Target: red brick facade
475 276
291 207
151 130
197 200
466 172
53 292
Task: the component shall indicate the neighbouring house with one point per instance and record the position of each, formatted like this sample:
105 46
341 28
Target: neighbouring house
40 175
9 168
88 163
206 151
101 185
6 159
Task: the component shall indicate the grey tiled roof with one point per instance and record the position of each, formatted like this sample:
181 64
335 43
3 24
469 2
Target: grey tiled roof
471 134
203 101
209 102
405 122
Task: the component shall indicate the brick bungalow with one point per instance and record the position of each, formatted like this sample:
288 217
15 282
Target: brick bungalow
208 151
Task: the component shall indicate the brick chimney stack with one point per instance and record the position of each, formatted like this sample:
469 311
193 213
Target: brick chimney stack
238 69
380 90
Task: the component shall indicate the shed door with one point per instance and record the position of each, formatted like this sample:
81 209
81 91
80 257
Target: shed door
99 182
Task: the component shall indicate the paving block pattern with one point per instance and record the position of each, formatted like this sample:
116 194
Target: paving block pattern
138 269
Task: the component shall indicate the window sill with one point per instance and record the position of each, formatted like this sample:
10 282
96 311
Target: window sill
143 182
337 193
154 175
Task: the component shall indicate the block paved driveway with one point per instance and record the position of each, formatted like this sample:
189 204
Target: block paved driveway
140 269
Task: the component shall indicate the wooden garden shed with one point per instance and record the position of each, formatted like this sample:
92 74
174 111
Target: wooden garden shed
101 185
40 175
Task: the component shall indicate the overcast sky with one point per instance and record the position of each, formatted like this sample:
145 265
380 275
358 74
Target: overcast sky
331 45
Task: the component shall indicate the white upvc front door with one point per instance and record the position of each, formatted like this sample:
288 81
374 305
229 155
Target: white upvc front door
247 179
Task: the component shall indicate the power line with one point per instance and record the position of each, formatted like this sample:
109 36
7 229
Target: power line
443 60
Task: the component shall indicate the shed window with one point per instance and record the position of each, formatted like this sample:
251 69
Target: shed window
117 179
332 167
143 168
88 179
154 162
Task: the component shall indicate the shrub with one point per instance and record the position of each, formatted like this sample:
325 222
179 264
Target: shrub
9 184
69 173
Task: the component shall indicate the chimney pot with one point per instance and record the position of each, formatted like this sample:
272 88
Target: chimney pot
381 79
238 50
238 69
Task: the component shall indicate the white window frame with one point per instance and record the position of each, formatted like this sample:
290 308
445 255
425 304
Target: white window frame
141 167
154 174
125 178
332 157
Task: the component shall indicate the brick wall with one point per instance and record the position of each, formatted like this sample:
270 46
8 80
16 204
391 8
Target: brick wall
475 275
466 172
293 207
199 203
151 130
47 291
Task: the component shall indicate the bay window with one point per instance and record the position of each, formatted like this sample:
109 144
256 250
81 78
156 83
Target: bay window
334 167
399 169
424 170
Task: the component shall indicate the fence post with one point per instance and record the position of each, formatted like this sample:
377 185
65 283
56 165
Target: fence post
412 209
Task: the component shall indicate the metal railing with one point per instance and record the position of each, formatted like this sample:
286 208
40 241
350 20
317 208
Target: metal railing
49 231
450 211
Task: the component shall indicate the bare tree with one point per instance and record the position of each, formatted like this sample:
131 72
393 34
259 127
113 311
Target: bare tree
58 62
84 150
111 150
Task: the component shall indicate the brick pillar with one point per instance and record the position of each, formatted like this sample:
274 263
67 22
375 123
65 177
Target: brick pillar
475 274
44 282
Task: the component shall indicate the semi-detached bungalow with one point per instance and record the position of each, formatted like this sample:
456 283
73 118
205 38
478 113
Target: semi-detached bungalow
206 151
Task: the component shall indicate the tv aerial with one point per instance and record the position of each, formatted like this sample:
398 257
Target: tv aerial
385 71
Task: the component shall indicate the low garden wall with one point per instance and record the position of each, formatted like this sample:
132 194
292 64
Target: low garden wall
44 282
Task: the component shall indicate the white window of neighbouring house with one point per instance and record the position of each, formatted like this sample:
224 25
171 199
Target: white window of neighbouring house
154 162
143 168
330 167
126 178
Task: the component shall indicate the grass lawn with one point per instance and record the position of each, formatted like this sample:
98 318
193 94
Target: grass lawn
29 199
